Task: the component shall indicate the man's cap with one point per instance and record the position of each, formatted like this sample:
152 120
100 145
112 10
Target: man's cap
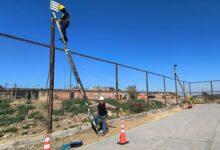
101 98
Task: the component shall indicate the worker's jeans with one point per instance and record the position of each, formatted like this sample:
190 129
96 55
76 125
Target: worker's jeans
97 117
64 25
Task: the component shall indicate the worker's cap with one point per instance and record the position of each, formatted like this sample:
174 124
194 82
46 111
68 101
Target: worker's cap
101 98
61 7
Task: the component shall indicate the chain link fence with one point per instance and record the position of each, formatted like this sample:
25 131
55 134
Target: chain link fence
127 90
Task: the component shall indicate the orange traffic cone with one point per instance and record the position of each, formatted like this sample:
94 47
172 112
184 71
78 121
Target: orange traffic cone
47 143
123 136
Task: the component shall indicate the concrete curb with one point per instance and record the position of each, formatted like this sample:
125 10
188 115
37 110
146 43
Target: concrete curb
60 134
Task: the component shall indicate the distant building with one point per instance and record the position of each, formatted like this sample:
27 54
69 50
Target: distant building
93 93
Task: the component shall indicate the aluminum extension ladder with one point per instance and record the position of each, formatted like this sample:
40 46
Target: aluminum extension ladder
75 72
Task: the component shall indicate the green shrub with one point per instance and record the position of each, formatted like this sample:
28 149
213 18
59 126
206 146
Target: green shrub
56 119
154 104
11 129
113 102
45 105
36 115
58 112
35 132
23 109
30 107
26 127
68 105
5 120
79 109
78 101
7 111
5 103
28 102
19 118
24 132
74 106
135 106
5 107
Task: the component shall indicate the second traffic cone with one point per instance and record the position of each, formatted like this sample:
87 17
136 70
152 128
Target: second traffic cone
123 136
47 143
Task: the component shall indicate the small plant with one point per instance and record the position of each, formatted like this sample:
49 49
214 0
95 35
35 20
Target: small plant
11 129
24 132
156 104
74 106
23 109
5 107
45 105
113 102
59 112
30 107
33 132
134 106
5 120
36 115
68 105
26 127
28 102
56 119
85 120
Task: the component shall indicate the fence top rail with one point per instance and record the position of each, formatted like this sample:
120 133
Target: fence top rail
83 55
206 81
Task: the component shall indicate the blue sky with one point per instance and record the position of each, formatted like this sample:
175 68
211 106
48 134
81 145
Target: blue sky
145 34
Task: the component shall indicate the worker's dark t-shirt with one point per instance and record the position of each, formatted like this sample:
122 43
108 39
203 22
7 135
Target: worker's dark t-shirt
65 18
102 109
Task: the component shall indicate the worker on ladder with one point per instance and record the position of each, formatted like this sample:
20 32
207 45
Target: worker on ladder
64 21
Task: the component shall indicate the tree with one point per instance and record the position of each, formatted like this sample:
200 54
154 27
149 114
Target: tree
132 92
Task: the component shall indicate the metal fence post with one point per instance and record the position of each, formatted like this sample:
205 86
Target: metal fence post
211 82
165 92
190 90
176 84
184 87
116 85
70 94
147 92
15 90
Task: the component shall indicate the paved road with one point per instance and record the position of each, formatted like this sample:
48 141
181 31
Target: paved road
194 129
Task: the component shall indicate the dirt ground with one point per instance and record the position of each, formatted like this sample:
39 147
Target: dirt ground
90 137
